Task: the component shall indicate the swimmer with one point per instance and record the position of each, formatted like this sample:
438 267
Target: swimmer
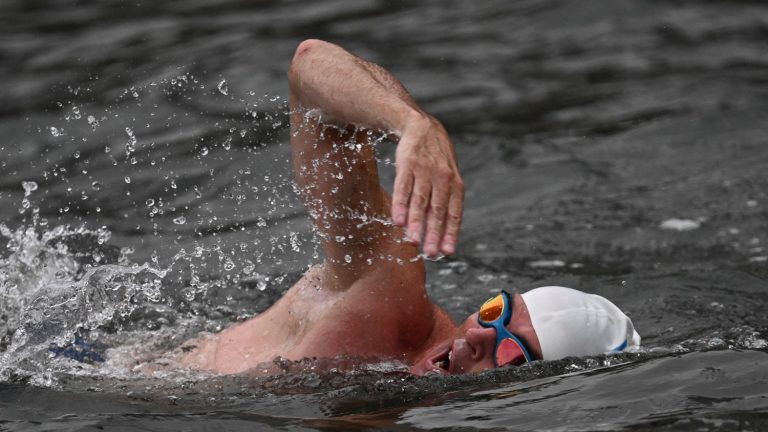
367 299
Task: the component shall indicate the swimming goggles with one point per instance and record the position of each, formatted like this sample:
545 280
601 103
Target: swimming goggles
496 312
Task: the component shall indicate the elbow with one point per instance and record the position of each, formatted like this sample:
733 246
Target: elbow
307 49
308 46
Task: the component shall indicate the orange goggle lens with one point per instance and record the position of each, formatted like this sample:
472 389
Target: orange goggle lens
492 309
509 352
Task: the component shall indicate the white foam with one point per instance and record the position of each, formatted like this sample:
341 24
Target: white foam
546 264
675 224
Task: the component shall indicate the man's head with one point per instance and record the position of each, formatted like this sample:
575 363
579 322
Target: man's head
472 346
551 322
476 350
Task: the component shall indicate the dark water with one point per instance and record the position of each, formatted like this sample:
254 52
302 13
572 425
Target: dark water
618 147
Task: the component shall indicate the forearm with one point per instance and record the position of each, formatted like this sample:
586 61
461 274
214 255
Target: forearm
428 191
349 90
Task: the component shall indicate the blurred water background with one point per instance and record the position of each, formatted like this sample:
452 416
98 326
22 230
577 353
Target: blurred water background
618 147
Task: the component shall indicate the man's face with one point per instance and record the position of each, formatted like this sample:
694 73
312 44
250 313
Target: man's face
472 348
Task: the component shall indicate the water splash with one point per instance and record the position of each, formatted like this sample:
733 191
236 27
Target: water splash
223 88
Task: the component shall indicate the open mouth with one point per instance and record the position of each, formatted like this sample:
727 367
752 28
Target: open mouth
442 361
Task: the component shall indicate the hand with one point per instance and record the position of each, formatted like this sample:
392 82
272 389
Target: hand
428 189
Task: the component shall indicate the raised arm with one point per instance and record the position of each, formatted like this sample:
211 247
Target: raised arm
341 89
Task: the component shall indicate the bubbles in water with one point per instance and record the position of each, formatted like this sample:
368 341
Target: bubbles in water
56 132
204 151
149 202
223 88
181 220
96 186
127 179
348 259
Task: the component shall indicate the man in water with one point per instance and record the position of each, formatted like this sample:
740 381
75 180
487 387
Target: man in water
367 299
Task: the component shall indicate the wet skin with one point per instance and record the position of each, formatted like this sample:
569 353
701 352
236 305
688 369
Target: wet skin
367 299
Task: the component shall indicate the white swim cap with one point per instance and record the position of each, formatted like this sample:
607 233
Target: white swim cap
572 323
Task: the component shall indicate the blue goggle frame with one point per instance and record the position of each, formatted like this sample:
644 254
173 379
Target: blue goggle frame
502 333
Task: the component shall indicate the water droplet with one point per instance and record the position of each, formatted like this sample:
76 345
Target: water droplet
197 192
203 151
130 146
229 265
149 202
227 144
76 155
181 220
56 132
127 179
223 89
340 239
295 242
96 186
29 187
348 259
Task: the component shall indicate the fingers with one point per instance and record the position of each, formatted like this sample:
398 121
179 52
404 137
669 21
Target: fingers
428 193
453 220
438 206
417 209
401 196
434 204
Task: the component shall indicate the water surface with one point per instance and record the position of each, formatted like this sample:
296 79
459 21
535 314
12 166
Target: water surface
617 147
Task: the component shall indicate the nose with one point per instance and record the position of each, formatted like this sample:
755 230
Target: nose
482 341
